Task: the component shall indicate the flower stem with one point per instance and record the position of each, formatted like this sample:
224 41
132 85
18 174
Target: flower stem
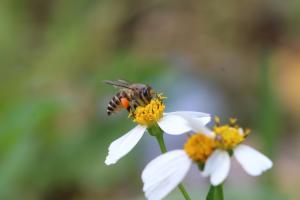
161 142
184 192
215 193
156 131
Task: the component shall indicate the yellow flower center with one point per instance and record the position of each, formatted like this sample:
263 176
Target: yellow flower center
149 114
228 136
199 147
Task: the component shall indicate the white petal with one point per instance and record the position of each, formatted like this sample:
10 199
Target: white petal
124 144
189 113
210 164
199 127
174 125
253 162
221 172
217 166
204 118
164 173
198 124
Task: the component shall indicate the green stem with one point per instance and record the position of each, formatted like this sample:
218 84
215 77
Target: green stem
156 131
161 142
184 192
215 193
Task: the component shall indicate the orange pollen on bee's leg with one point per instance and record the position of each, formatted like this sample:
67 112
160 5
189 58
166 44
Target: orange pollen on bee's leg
124 102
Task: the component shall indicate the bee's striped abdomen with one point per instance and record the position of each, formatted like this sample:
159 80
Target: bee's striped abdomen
113 105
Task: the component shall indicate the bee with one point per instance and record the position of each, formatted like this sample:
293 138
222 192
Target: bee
130 96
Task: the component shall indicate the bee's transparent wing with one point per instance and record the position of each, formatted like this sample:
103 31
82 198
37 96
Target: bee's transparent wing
118 83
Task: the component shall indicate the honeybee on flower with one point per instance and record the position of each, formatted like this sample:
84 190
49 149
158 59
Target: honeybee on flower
210 150
146 108
130 96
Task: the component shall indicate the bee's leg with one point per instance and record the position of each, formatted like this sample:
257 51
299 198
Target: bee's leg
145 99
139 101
133 106
128 109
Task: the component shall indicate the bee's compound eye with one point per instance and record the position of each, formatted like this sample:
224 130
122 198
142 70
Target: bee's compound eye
145 91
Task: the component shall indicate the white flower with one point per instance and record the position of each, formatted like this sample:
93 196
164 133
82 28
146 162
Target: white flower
229 138
166 171
171 123
218 164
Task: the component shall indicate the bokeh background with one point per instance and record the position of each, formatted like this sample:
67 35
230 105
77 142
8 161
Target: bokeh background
229 58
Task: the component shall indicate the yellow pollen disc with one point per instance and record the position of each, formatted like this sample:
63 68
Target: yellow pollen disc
227 137
199 147
149 114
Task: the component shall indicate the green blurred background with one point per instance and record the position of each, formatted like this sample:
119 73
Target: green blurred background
233 58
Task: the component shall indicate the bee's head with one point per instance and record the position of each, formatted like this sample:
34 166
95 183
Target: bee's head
149 92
